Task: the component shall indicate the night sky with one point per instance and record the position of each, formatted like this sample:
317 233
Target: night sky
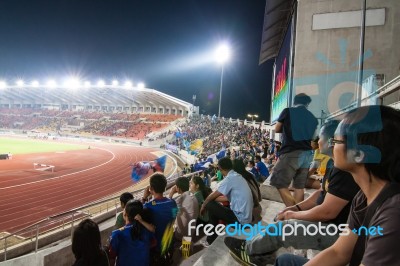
165 43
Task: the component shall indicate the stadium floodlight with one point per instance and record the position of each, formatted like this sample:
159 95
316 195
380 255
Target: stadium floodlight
128 84
20 82
101 83
222 55
72 83
3 84
141 85
115 82
51 83
252 116
35 83
87 84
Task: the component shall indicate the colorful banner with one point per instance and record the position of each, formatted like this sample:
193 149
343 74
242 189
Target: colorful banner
282 77
141 169
196 145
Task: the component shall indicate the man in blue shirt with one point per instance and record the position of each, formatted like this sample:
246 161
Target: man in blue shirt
233 188
163 211
261 168
254 171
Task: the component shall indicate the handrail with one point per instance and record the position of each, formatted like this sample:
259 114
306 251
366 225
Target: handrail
342 110
88 205
390 83
382 88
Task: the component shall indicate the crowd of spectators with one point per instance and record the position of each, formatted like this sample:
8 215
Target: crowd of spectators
218 134
135 126
360 187
363 168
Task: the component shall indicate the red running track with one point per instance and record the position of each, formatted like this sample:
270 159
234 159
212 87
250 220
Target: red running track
80 177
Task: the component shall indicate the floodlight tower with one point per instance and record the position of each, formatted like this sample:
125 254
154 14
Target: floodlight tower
222 55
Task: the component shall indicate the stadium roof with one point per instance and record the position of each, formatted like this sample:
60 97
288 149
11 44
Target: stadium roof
95 96
276 18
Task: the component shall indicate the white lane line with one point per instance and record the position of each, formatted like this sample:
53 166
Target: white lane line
113 157
176 163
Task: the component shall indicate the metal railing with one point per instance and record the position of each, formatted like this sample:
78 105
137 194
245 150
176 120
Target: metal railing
106 207
384 88
60 222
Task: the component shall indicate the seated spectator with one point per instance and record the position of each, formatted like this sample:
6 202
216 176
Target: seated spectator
200 191
208 173
234 187
124 198
239 167
163 211
261 168
132 242
86 245
188 207
330 204
253 170
186 169
218 176
363 146
317 167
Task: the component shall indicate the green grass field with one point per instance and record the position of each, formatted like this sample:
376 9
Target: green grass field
26 146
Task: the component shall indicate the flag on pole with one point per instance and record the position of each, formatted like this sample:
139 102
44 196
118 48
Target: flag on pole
159 164
141 169
221 154
203 165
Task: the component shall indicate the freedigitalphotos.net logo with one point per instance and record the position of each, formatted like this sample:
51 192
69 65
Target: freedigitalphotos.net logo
281 229
337 87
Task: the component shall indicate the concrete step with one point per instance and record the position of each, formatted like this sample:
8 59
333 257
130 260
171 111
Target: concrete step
218 253
271 193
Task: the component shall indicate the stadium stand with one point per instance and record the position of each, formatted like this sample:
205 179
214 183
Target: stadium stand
123 125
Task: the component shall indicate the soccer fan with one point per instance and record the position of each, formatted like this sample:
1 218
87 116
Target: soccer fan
240 168
124 198
297 126
366 145
188 207
330 204
200 191
163 211
261 168
234 189
86 245
132 242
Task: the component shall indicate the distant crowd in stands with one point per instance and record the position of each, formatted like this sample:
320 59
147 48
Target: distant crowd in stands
218 134
135 126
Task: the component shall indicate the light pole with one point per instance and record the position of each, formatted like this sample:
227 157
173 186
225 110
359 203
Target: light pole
222 55
252 117
194 99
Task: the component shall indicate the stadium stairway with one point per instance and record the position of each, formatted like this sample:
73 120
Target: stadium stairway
218 253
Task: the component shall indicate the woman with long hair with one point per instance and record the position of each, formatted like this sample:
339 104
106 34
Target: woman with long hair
132 243
86 245
240 168
200 191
